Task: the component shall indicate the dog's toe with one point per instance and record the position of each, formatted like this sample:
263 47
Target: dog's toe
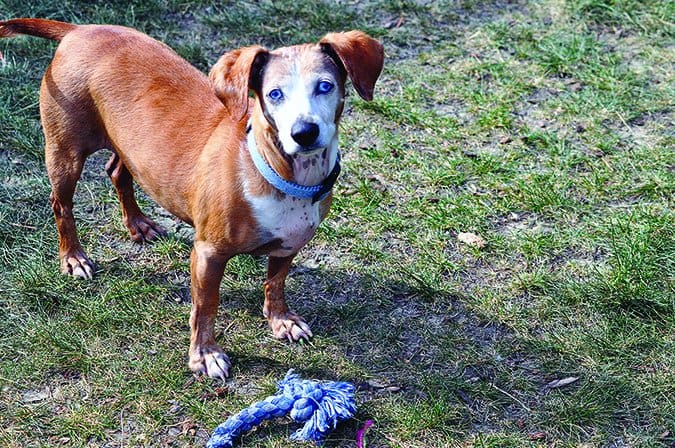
290 326
217 365
210 361
144 229
77 265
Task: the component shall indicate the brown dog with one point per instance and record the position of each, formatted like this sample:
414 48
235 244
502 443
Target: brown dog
191 143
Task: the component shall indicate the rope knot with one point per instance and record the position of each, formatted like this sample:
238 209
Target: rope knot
320 405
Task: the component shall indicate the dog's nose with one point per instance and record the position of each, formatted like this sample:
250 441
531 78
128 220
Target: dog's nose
305 133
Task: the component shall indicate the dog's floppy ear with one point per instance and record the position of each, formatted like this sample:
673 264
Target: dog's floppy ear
234 74
360 55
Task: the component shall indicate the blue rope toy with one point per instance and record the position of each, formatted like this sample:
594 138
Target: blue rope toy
321 405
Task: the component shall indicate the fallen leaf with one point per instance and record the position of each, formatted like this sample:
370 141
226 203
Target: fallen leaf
471 239
394 22
221 391
562 382
375 384
538 435
189 428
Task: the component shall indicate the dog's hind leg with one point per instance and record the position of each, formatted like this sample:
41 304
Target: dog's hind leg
64 166
140 226
72 132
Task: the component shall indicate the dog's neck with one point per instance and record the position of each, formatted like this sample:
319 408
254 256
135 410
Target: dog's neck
302 169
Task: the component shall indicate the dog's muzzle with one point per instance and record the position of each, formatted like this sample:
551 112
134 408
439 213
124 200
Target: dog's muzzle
305 134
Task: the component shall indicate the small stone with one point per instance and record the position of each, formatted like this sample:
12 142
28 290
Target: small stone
175 407
312 263
33 396
378 183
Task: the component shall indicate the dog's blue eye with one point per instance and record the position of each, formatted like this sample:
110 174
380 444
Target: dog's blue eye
275 94
324 87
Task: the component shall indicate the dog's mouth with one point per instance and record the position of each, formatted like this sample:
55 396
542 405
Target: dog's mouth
295 150
309 150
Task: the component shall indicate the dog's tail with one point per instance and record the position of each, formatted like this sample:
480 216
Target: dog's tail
49 29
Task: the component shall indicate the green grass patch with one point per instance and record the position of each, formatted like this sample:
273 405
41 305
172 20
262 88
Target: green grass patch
545 128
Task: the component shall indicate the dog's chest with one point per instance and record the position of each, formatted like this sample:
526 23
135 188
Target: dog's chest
290 220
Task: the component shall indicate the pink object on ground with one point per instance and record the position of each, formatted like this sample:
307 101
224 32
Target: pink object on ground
360 434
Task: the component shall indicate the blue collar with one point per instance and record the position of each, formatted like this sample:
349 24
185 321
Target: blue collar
315 192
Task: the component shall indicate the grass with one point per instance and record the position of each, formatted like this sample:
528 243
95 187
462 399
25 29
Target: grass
545 127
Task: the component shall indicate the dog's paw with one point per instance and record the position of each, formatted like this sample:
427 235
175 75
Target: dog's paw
290 326
78 265
209 360
144 229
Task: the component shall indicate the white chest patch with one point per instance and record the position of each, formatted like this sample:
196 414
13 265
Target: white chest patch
291 220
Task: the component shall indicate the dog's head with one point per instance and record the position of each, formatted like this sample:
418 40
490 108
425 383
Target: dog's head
300 89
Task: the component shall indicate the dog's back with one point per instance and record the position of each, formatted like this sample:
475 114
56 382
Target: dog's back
154 107
114 87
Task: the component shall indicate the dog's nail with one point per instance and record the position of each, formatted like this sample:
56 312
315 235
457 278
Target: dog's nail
217 365
297 333
305 328
79 272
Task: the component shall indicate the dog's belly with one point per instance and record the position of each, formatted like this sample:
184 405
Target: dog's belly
290 221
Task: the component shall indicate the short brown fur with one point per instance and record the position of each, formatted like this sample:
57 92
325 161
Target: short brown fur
182 138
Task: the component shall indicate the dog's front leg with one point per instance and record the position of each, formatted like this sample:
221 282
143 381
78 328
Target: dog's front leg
206 268
285 324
